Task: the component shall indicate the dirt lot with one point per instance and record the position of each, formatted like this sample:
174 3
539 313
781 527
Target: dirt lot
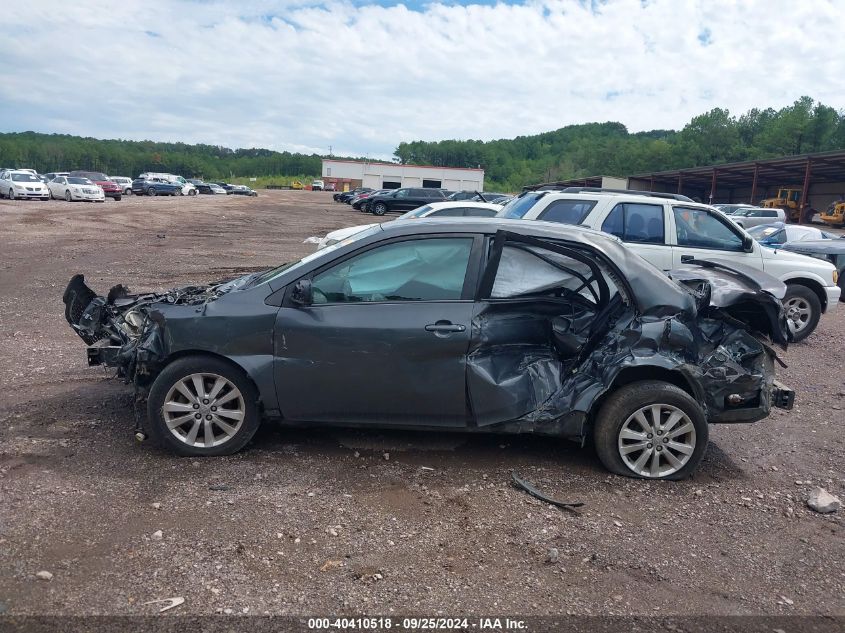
319 522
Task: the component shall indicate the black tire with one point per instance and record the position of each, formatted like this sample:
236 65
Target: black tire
68 197
151 191
841 284
11 194
802 295
117 198
624 403
379 208
182 368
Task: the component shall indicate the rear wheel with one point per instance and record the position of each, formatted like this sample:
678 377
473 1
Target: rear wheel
127 191
201 405
651 430
803 311
151 191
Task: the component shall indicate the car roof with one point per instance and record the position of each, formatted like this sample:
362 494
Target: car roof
635 198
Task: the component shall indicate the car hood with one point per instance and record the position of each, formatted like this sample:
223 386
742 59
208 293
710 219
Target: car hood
817 247
747 294
349 231
784 255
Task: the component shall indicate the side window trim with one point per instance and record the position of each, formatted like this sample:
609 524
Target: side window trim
668 222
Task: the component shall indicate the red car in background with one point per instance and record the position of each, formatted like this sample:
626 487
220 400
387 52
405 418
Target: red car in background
109 187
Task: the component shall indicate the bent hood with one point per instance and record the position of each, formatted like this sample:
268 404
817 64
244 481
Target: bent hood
744 293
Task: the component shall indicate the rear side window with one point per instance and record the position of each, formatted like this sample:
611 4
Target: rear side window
452 212
642 223
518 207
478 212
567 211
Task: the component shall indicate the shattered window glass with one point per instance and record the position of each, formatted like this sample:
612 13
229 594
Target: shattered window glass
530 270
413 270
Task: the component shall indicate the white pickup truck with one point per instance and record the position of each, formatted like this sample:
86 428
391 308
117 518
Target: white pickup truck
670 229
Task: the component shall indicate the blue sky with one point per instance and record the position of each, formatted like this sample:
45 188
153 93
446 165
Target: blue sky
363 76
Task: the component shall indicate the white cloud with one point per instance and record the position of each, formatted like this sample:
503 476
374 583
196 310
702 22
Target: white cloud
302 76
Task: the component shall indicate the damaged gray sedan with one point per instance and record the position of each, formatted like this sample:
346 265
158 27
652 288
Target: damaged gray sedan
497 326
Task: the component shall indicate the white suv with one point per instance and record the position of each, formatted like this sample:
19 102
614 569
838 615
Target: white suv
670 229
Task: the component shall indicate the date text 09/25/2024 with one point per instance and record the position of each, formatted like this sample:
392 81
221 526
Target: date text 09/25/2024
417 623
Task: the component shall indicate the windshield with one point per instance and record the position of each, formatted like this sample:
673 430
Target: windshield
79 181
518 207
764 232
416 213
269 275
24 178
93 175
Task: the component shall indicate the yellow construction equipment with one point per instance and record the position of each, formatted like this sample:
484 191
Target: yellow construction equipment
297 185
788 199
835 213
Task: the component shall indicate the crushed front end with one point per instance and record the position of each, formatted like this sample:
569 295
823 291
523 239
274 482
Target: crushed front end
126 331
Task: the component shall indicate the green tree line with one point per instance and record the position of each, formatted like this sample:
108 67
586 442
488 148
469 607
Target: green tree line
609 149
570 152
61 152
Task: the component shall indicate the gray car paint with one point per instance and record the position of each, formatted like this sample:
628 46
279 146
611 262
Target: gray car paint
375 364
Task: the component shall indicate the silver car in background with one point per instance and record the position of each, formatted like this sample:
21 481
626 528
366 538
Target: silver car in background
746 217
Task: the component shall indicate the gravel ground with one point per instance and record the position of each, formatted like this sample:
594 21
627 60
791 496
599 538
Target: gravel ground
355 522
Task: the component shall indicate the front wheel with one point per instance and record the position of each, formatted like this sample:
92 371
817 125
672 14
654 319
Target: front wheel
68 197
11 194
203 406
803 311
151 191
379 208
651 430
117 198
127 191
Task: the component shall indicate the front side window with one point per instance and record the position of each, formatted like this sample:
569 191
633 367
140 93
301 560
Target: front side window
699 229
642 223
414 270
567 211
402 193
416 213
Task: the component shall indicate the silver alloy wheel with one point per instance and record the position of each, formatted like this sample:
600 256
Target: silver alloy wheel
11 194
657 440
204 410
798 313
67 195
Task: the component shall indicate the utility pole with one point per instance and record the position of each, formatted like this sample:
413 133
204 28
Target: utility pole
330 150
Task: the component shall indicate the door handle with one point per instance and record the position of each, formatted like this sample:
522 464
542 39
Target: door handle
444 327
685 259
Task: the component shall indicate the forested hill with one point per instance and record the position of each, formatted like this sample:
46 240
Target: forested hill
608 149
573 151
54 152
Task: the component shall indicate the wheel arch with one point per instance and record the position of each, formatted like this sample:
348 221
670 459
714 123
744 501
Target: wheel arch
637 373
812 284
190 353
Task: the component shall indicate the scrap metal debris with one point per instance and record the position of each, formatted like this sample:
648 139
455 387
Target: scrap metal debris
171 603
530 489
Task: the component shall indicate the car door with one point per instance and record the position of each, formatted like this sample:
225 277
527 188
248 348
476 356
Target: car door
699 233
57 186
644 228
385 339
538 302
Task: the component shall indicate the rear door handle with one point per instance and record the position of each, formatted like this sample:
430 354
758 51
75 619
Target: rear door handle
442 327
685 259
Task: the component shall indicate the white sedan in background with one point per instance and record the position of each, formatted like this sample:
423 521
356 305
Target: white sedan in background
455 209
21 184
75 188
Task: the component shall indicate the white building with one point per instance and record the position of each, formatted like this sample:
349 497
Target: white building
348 174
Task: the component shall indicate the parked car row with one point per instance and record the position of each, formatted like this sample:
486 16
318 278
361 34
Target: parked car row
95 186
382 201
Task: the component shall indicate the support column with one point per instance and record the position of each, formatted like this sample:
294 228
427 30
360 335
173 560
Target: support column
754 182
651 184
804 193
713 187
680 182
